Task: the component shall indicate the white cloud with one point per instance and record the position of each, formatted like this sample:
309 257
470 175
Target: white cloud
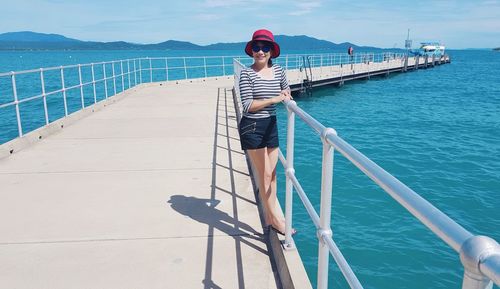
304 8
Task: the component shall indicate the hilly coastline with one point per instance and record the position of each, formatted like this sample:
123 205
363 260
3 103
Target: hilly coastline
27 40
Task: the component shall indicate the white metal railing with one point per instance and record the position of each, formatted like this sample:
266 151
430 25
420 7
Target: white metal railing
94 82
480 255
296 61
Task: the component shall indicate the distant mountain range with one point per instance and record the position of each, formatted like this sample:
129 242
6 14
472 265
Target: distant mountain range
27 40
497 49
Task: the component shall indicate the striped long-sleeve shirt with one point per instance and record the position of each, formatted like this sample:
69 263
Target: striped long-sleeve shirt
253 86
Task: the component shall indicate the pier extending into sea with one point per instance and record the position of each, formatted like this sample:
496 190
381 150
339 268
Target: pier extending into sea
148 188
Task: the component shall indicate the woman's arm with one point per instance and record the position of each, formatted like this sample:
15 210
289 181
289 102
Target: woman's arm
257 105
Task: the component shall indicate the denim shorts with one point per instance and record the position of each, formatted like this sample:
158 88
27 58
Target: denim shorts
257 133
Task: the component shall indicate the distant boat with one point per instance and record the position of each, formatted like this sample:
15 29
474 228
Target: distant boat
431 48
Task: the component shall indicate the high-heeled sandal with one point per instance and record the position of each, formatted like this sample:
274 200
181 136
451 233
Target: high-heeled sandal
282 233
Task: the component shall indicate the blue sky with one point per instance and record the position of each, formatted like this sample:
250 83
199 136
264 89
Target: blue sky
457 24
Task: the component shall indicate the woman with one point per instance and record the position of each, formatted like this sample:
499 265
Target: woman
262 86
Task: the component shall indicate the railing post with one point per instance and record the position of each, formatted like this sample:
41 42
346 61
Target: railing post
475 252
150 70
166 67
114 77
93 82
185 68
140 70
223 67
135 73
45 108
205 65
81 84
128 73
286 62
123 75
16 101
325 212
105 81
290 171
64 92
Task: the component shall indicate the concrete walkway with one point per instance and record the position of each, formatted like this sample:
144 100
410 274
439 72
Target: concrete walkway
150 192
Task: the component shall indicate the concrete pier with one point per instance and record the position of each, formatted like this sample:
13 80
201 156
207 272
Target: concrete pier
339 74
151 192
148 189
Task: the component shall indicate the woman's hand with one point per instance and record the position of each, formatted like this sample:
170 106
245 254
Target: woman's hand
283 96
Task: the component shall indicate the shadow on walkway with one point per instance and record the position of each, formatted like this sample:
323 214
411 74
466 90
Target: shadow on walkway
206 211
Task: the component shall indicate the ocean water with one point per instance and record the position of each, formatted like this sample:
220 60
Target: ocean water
437 130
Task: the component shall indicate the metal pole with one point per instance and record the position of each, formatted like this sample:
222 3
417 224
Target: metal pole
123 75
45 108
105 81
114 77
223 66
325 211
286 62
64 92
128 73
16 101
135 73
166 67
93 83
81 84
150 70
477 253
185 68
289 173
140 70
205 65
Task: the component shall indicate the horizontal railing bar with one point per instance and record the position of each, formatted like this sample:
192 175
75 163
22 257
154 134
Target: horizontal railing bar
313 123
342 263
29 98
443 226
242 57
54 92
72 87
300 191
7 104
305 200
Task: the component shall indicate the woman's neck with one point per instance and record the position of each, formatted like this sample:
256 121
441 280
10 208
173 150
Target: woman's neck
258 67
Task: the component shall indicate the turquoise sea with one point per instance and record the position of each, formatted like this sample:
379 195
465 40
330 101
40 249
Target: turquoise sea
437 130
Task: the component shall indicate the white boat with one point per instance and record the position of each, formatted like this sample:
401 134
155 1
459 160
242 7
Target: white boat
431 48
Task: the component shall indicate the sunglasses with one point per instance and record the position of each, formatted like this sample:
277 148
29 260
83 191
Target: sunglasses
265 48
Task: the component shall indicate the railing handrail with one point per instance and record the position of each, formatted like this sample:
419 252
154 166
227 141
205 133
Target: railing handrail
479 255
172 63
400 54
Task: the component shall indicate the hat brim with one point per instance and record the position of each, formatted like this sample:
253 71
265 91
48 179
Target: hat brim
275 52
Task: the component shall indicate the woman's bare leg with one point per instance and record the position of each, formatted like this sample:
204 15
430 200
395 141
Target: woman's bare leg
258 158
277 222
264 161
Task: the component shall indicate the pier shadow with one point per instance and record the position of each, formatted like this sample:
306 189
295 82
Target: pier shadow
205 210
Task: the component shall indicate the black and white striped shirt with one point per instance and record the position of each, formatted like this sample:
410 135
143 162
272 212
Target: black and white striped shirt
253 86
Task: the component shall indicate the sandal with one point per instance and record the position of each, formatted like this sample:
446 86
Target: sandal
282 233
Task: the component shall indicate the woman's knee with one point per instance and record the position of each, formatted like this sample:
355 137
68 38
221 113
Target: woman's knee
268 177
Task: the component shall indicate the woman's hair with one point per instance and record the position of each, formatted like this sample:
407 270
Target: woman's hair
270 61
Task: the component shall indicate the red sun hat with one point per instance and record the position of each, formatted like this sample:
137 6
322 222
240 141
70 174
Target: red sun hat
263 35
